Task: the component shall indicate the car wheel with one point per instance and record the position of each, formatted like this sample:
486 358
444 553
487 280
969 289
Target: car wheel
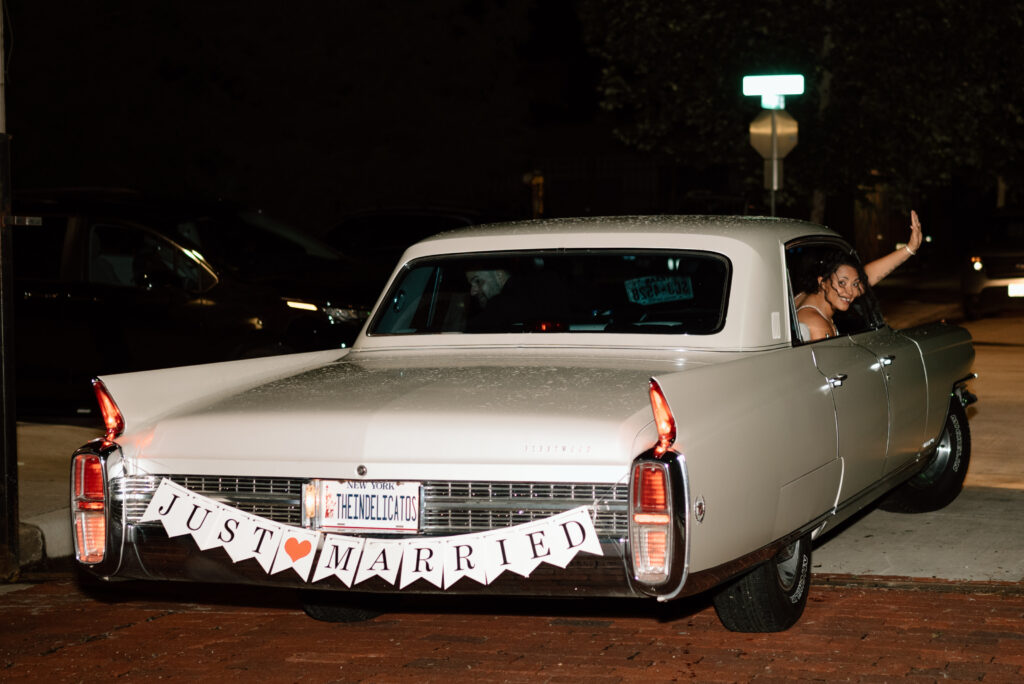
329 606
942 479
771 597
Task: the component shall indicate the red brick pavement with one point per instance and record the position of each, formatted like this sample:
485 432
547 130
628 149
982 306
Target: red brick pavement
860 631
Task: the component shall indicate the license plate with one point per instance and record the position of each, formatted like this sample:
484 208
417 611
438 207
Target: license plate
1015 290
369 506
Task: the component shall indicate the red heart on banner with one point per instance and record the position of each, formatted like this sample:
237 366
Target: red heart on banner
296 549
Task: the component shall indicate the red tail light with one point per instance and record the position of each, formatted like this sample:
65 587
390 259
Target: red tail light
650 522
112 418
88 508
663 419
88 482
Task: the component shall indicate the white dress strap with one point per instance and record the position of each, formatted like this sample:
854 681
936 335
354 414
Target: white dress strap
835 330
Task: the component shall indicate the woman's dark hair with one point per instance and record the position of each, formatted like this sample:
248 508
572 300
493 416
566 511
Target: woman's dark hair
822 264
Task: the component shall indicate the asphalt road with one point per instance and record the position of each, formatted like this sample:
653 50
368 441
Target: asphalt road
978 537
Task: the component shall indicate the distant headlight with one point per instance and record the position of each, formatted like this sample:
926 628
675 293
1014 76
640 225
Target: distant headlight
335 314
976 263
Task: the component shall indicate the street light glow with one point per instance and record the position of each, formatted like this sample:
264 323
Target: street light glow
773 88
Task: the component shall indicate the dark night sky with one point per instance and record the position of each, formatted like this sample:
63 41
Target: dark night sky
306 109
317 108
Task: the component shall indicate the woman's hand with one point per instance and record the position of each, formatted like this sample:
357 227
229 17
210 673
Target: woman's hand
916 236
883 266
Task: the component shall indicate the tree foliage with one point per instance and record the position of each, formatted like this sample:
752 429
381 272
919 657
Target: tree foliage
906 93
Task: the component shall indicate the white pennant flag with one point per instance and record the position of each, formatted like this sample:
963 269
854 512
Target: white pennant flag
381 558
163 500
296 551
528 546
465 556
423 559
571 533
264 541
339 557
178 510
170 505
442 561
497 556
212 533
237 534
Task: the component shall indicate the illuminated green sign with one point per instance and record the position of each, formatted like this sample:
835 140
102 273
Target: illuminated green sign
774 88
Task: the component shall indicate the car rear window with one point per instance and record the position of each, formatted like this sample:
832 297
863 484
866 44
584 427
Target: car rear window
615 291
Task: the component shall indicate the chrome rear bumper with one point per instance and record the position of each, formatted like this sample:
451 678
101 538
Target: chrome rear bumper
143 550
148 553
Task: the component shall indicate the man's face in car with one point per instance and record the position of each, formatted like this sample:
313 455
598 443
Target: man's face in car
483 285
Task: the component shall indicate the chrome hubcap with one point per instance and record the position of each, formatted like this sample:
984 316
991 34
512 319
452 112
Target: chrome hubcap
940 459
787 566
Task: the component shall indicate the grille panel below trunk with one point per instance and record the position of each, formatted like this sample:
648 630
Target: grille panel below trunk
449 507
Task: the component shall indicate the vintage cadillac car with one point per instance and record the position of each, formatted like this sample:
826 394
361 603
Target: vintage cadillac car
613 407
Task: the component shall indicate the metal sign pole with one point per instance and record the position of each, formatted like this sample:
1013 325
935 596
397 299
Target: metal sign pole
11 524
775 158
773 123
9 529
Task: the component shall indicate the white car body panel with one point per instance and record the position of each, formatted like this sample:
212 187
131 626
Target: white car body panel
769 445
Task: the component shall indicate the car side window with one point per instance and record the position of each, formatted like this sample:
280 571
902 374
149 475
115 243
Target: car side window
127 256
856 308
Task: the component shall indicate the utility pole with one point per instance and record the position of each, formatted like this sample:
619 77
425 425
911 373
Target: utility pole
11 523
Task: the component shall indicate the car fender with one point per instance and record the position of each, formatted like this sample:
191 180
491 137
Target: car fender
759 437
146 396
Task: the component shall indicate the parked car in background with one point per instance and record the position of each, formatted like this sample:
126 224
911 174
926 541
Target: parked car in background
631 413
992 274
114 281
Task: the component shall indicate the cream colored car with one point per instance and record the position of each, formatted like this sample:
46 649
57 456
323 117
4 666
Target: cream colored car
591 407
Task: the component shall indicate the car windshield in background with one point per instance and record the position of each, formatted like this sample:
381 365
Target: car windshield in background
588 291
256 246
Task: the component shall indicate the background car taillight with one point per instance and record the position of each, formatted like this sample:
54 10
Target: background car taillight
88 508
650 522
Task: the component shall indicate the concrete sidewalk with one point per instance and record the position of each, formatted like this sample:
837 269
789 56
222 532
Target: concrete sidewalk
44 461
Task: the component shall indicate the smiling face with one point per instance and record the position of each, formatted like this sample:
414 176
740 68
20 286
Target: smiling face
842 287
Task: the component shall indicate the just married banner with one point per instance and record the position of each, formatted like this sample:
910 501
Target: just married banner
315 555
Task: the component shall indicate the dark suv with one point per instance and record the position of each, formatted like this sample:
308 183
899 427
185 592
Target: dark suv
112 281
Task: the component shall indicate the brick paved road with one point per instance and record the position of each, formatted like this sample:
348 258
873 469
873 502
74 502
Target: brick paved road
852 631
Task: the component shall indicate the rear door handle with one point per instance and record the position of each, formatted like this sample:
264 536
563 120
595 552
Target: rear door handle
837 380
888 359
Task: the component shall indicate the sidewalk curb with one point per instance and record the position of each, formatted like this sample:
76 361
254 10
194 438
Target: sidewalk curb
30 544
46 536
931 584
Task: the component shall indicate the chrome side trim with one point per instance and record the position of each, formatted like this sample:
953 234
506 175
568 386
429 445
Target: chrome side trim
703 580
869 494
682 495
